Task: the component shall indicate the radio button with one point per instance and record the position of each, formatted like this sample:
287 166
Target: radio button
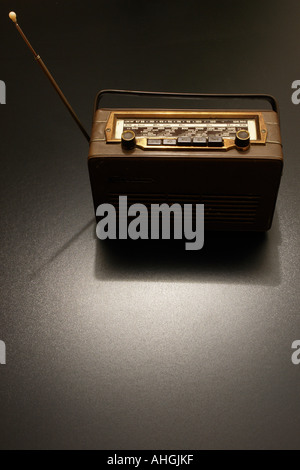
169 141
184 141
200 141
215 141
153 141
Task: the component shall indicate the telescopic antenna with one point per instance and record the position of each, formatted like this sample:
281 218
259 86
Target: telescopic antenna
39 60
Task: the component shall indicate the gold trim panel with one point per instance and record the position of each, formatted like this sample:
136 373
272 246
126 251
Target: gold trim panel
141 142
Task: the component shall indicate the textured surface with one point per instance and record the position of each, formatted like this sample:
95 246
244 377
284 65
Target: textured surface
119 347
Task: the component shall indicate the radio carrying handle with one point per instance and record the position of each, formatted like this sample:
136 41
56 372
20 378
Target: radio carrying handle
165 94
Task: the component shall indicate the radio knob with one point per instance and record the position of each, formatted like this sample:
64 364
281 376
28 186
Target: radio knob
242 140
128 140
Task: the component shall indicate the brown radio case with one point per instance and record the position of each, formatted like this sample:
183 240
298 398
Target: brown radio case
238 188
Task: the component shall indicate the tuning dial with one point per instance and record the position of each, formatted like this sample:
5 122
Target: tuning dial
242 140
128 140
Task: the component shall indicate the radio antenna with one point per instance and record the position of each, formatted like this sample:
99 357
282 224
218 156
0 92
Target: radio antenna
39 60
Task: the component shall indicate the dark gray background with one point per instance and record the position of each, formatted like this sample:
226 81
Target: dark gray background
119 347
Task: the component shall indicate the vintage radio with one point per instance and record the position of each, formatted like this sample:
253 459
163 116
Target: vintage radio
228 159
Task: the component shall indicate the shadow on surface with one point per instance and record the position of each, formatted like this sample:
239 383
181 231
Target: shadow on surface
227 257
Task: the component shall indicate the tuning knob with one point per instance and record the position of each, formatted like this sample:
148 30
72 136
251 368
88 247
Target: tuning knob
128 140
242 140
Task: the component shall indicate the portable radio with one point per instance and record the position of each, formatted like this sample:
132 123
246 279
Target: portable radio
229 160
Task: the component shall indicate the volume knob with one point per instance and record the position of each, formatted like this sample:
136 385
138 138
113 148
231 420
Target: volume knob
242 139
128 140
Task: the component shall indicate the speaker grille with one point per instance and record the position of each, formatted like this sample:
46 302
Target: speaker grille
217 208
